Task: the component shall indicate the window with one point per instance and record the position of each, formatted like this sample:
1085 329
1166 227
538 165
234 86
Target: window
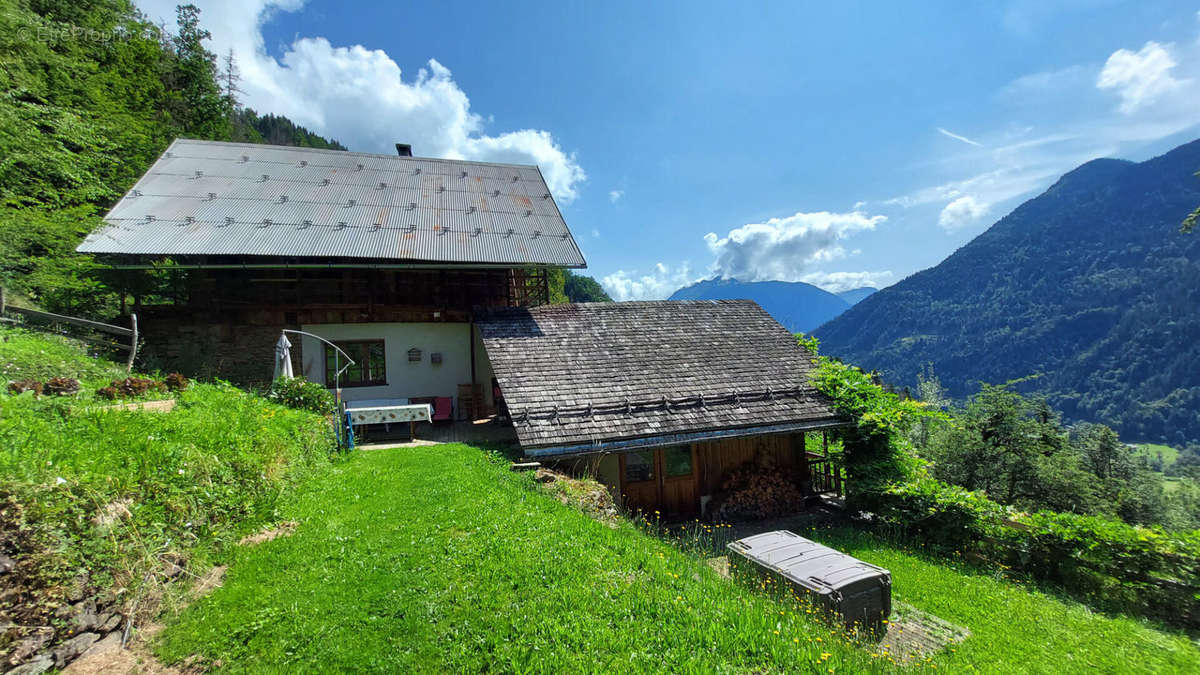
639 466
370 365
677 461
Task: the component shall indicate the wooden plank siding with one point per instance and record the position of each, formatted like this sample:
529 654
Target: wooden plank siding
716 459
712 461
224 322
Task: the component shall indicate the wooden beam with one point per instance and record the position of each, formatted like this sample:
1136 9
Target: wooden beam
102 341
59 318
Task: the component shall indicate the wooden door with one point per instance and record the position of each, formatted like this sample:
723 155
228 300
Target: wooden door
639 480
677 466
662 480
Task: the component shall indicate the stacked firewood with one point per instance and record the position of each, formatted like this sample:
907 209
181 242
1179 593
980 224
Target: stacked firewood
757 491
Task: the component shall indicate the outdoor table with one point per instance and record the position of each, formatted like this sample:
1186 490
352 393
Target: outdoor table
388 411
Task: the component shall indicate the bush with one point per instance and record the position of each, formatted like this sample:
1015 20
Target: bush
942 514
133 387
137 386
62 386
176 382
297 392
1110 563
876 450
22 386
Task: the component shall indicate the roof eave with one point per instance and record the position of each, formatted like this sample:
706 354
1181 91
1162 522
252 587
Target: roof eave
155 262
663 440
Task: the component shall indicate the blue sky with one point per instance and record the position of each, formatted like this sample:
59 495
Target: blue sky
842 144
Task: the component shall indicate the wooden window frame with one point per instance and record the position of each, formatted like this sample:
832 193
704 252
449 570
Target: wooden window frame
660 480
360 352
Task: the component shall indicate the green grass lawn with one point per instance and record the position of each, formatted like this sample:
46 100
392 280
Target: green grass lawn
1015 627
1152 450
30 354
440 559
111 492
1175 483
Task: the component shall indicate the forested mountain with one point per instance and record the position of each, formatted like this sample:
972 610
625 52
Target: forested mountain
856 295
1090 287
798 306
250 127
93 94
582 288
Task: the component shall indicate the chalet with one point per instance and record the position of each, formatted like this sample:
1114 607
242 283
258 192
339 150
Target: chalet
665 397
433 276
386 256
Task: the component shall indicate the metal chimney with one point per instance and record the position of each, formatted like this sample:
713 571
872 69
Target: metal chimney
404 149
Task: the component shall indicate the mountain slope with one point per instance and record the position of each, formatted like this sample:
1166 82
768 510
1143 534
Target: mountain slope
1089 285
857 295
81 120
797 305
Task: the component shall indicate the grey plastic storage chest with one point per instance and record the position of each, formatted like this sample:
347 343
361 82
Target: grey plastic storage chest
850 588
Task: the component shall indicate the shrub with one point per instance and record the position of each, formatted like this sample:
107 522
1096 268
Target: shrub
940 513
137 386
297 392
132 387
22 386
62 386
1108 562
877 452
176 382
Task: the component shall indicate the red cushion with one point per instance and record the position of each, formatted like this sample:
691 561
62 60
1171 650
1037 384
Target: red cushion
441 408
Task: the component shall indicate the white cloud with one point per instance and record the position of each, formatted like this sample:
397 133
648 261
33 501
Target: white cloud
785 248
657 285
836 282
360 97
1022 167
957 137
1046 81
1061 118
614 196
595 233
962 211
1140 78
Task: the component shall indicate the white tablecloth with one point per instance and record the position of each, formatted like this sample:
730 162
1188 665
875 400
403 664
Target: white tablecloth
387 414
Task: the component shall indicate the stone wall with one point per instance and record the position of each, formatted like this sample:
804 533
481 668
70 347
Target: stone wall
204 346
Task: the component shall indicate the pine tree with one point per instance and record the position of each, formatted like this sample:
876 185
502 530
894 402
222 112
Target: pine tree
201 110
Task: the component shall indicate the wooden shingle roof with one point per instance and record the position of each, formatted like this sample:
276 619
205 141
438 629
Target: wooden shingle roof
602 375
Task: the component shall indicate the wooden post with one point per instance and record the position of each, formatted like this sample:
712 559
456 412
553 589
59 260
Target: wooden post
134 345
471 340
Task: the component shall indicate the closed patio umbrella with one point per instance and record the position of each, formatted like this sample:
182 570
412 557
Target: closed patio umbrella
283 358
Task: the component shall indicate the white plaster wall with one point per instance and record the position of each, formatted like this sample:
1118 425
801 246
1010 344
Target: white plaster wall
483 369
405 379
608 472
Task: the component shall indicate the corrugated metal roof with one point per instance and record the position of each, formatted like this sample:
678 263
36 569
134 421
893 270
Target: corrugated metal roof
211 198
